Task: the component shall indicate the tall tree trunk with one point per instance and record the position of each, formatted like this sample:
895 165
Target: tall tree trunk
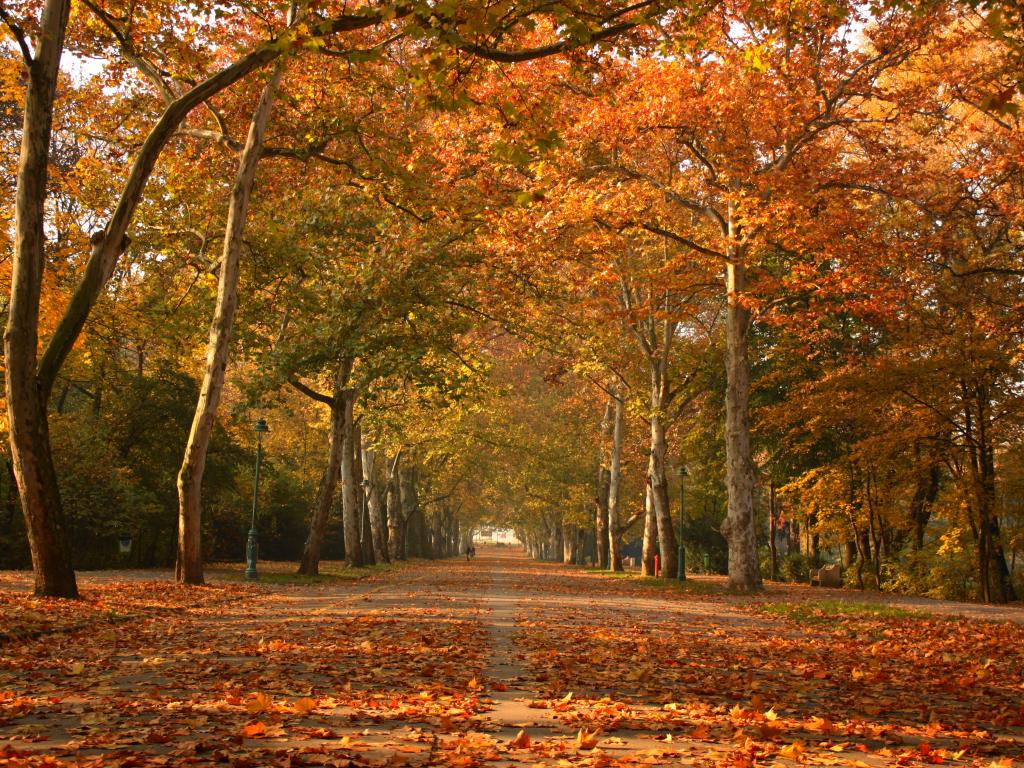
436 537
569 540
773 526
738 527
189 567
650 535
926 491
365 530
557 541
614 489
601 517
350 511
603 479
309 565
874 548
659 494
1001 574
396 525
409 510
993 574
27 396
378 528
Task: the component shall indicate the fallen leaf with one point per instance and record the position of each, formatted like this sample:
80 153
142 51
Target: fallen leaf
521 741
588 739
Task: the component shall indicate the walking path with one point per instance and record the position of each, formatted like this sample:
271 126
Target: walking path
502 661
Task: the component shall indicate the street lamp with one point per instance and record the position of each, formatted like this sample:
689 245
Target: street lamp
252 545
681 566
363 512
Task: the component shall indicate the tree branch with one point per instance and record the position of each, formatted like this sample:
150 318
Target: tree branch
19 35
308 391
655 229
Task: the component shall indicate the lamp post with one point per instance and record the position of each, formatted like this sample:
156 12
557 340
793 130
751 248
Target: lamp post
363 514
252 545
681 567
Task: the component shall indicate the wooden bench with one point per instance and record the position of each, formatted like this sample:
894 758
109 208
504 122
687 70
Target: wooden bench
830 575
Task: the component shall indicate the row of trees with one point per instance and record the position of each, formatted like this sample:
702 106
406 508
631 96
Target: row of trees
776 245
858 191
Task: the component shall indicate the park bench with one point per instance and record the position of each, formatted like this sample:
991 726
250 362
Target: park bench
830 575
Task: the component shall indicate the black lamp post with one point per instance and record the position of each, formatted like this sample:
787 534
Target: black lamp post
681 566
252 546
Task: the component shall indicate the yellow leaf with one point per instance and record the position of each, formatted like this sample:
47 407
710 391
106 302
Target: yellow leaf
588 739
700 733
77 668
304 705
792 751
259 702
521 741
252 730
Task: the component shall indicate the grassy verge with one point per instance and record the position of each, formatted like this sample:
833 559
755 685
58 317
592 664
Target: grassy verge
284 572
690 586
821 612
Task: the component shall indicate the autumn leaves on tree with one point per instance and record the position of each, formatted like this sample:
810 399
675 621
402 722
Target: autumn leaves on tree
523 262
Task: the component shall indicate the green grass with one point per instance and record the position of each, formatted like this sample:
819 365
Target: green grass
827 611
690 586
278 572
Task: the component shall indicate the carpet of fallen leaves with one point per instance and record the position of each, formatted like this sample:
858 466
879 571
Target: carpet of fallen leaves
238 675
496 662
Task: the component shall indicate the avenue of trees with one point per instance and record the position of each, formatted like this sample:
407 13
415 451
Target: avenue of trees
530 264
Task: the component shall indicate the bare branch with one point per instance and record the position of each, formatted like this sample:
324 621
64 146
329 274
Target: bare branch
19 35
308 391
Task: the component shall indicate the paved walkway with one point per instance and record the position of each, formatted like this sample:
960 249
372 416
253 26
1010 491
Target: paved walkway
501 661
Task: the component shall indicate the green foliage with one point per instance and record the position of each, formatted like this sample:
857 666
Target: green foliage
117 471
793 567
945 569
103 497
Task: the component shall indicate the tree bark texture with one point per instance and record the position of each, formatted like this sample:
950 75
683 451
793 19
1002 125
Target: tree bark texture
378 527
365 530
27 393
409 502
396 526
350 511
738 527
658 486
309 565
603 479
615 487
650 535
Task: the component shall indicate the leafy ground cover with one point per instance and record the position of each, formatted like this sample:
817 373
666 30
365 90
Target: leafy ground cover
502 662
826 611
282 572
